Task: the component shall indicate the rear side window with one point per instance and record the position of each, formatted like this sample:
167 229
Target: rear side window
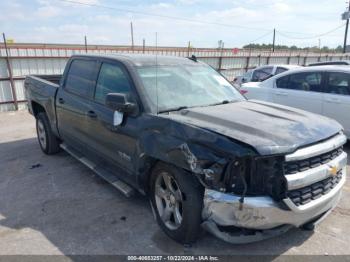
81 77
280 70
262 74
310 81
338 83
112 79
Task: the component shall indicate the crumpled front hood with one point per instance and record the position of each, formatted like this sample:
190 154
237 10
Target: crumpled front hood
269 128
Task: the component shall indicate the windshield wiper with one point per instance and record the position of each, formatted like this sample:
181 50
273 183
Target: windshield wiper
222 102
185 107
173 109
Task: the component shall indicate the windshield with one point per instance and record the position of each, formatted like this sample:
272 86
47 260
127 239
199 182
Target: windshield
181 86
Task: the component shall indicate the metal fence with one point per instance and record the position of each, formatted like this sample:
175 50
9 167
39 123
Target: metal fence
19 60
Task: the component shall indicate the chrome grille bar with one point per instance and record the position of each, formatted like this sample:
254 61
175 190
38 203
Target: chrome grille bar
317 149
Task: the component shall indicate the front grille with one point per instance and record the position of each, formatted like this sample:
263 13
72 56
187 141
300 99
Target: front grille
304 195
305 164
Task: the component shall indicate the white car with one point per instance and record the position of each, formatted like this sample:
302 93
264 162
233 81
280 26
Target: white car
323 90
261 73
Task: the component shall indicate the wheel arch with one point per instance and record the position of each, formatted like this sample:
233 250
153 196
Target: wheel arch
37 108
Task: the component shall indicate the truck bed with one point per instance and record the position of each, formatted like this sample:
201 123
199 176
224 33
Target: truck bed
55 79
41 92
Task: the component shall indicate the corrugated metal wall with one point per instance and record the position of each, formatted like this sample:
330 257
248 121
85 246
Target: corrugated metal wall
26 59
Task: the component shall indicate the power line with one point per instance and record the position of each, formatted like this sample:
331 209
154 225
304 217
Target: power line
164 16
311 37
346 31
282 33
260 37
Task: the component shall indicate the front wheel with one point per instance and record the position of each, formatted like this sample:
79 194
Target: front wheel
177 199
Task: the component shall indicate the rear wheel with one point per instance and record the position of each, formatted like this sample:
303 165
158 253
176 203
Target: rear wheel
177 199
48 142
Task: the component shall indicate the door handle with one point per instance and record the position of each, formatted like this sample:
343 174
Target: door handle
91 114
332 100
281 93
61 100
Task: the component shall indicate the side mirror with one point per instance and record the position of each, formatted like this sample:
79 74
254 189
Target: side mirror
243 80
119 102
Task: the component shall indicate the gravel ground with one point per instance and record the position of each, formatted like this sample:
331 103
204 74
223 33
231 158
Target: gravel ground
55 205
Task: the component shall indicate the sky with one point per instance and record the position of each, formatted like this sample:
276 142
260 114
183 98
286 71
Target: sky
203 23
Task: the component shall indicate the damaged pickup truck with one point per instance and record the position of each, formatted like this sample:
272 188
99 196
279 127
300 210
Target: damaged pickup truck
177 131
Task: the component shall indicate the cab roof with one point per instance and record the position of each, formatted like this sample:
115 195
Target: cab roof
327 68
144 59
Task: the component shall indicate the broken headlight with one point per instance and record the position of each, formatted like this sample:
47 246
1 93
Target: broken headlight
255 176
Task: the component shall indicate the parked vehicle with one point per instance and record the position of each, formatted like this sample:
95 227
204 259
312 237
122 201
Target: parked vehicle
338 62
175 130
323 90
262 73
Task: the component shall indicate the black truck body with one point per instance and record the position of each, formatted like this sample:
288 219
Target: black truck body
237 148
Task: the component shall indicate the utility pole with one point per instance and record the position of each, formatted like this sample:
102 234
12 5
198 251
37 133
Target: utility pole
346 16
9 69
273 40
85 41
319 44
188 48
132 36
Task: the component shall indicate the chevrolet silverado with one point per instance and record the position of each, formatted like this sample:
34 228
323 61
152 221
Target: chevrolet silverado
178 132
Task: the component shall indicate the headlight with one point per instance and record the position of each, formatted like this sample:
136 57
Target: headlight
256 176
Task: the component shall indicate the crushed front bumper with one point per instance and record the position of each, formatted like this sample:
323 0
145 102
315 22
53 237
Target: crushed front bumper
263 214
266 216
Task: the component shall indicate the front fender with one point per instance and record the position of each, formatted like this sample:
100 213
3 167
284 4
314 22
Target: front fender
193 149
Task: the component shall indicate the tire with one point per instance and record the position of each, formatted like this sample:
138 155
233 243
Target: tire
179 213
48 142
308 227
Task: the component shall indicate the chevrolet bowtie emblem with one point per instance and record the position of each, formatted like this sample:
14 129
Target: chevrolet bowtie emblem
333 170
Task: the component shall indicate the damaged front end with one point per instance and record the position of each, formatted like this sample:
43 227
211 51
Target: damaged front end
250 196
238 203
241 193
266 196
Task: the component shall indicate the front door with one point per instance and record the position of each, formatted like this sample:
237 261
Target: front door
117 144
336 100
300 90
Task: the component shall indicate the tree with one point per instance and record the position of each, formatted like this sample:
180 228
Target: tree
339 48
325 49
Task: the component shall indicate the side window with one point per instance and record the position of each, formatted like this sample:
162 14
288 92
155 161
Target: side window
247 76
112 79
280 70
282 82
338 83
311 81
81 77
262 74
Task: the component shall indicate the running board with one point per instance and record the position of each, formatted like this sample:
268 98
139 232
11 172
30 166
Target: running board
124 188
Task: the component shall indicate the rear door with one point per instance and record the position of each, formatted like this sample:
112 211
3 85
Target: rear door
336 100
73 101
300 90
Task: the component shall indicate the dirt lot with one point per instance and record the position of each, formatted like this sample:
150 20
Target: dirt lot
55 205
